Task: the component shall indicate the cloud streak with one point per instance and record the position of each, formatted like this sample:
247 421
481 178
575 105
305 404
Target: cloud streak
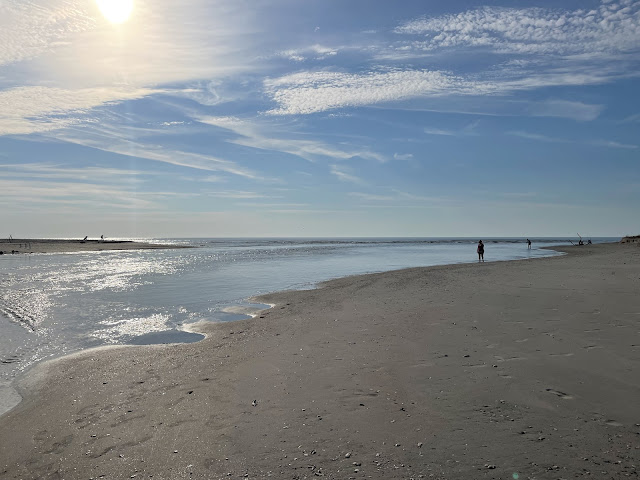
254 135
594 142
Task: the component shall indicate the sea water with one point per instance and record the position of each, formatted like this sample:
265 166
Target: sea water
54 304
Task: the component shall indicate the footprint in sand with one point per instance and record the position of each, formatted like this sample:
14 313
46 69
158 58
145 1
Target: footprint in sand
562 395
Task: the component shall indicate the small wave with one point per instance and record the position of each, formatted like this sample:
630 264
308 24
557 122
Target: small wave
25 307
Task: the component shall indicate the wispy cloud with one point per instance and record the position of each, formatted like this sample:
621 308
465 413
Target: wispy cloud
613 144
565 109
64 193
372 197
549 139
395 197
469 129
403 156
345 174
26 110
439 131
114 139
52 172
632 118
265 137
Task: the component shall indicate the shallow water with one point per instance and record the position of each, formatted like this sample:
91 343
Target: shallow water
54 304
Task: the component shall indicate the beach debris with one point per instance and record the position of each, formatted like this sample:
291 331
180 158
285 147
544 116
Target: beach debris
490 467
419 444
347 455
254 403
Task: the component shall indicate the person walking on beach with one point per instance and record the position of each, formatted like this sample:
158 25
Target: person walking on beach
480 251
528 244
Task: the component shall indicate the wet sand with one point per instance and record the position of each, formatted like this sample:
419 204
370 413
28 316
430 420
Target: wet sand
522 369
41 245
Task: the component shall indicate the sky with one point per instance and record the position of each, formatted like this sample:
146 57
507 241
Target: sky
319 118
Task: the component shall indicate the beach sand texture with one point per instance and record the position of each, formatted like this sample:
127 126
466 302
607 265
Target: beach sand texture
69 246
521 369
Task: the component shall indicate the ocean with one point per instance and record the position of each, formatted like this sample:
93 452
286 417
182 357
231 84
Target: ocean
55 304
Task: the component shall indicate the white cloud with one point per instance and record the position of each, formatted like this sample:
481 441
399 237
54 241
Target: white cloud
439 131
310 92
467 130
236 194
344 174
536 136
265 138
613 144
66 193
312 52
612 27
533 48
51 171
370 197
29 29
402 156
114 139
632 118
594 142
565 109
26 110
395 197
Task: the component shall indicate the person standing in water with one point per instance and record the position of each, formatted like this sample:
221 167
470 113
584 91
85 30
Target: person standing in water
528 244
480 251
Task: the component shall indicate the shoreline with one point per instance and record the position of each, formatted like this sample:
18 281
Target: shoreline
356 366
43 245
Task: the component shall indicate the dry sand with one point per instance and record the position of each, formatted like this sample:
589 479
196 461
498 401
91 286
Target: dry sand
41 245
522 369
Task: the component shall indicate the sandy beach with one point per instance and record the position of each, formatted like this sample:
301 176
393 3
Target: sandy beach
504 370
40 245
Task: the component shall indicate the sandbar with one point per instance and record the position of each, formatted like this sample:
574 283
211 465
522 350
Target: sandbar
502 370
41 245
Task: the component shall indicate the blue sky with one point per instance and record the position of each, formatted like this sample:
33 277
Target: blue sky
320 118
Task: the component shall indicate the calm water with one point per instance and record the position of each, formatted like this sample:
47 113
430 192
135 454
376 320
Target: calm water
58 303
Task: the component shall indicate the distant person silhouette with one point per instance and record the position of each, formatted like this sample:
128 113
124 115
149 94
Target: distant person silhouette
480 251
528 244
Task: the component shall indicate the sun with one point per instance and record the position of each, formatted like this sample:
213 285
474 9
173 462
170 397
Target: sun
115 11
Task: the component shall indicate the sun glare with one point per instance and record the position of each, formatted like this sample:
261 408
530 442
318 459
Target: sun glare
115 11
